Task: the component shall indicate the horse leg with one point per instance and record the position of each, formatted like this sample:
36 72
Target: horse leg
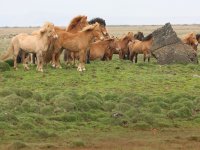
53 60
145 55
58 65
88 56
81 60
136 57
25 61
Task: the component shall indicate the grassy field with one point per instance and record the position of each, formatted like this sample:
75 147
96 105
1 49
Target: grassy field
115 105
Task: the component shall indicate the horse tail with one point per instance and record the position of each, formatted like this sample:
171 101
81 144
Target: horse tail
65 55
8 53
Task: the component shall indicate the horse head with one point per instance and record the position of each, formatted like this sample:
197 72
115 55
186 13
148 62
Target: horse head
48 28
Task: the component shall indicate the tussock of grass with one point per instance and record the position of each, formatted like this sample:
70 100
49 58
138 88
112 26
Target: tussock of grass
4 67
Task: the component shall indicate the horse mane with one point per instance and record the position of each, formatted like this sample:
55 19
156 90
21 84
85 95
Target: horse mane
74 22
148 37
87 28
99 20
139 36
197 36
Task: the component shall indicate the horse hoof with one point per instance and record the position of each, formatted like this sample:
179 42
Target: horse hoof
79 69
53 65
15 69
84 69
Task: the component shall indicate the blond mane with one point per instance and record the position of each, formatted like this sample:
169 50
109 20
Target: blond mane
74 22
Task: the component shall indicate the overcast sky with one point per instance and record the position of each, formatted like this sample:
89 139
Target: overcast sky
115 12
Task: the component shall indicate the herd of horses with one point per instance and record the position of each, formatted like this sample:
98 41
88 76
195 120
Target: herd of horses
82 41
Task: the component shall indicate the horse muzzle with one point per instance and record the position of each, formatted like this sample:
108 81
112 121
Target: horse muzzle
55 36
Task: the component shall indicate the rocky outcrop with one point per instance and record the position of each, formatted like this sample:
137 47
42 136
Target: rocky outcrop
167 48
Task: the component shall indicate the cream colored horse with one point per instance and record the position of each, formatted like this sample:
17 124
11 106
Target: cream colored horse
35 43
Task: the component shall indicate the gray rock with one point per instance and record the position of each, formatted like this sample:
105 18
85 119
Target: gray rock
167 48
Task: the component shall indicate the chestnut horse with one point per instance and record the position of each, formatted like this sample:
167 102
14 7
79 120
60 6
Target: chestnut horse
190 39
76 25
77 42
122 45
72 56
102 50
140 47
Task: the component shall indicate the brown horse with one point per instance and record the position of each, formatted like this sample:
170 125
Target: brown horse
102 49
122 45
71 57
191 40
76 25
77 42
140 47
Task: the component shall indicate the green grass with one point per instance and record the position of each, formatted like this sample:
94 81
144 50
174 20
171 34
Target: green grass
60 102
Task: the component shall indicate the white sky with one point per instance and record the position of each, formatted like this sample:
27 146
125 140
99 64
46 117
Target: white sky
115 12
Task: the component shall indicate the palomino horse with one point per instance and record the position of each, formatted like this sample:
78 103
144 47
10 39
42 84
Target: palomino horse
191 40
122 45
37 43
78 42
102 49
140 47
73 56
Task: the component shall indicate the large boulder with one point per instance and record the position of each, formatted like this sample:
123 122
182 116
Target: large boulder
167 48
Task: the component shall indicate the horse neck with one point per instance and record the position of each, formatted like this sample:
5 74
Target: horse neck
87 36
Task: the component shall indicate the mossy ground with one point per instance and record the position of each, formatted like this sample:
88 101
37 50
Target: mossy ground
109 96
